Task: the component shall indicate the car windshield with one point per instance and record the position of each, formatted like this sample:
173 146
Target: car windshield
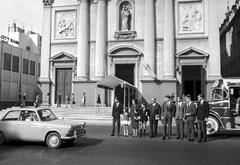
46 115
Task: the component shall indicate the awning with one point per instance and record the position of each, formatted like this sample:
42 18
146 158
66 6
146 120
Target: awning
111 82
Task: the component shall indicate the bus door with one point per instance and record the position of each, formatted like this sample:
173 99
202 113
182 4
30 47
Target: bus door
234 93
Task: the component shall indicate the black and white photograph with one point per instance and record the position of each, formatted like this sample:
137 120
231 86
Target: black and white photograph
119 82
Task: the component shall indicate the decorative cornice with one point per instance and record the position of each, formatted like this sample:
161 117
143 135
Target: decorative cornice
48 2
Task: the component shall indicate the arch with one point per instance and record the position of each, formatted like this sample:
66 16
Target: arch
123 50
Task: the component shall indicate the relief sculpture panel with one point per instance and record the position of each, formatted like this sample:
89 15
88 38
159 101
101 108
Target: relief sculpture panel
65 24
191 18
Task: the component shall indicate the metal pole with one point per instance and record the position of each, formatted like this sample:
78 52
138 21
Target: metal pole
124 95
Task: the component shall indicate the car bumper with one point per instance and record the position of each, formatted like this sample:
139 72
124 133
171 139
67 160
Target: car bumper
76 135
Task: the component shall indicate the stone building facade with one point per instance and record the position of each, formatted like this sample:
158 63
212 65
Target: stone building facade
230 42
159 46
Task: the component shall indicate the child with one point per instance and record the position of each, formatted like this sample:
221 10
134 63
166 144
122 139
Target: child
134 117
125 122
135 122
143 113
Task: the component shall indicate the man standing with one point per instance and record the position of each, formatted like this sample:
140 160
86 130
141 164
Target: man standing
202 115
180 105
154 116
190 117
116 111
168 113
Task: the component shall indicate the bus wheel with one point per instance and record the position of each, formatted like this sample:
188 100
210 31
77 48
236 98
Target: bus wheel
212 125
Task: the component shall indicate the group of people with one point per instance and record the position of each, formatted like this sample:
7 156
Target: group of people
23 98
70 100
185 112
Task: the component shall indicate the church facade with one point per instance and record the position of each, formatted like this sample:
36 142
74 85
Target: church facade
159 46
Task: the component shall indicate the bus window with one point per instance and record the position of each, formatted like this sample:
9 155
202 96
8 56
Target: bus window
217 94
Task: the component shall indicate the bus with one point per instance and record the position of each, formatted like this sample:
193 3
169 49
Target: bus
224 112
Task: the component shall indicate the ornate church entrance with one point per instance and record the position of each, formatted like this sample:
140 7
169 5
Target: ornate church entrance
192 80
126 73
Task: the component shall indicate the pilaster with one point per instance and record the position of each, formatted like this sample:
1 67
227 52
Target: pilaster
101 39
149 38
169 43
83 40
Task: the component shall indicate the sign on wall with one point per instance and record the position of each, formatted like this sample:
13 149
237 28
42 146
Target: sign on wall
65 24
191 18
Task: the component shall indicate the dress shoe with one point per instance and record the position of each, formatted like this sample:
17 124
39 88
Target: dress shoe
112 135
178 138
151 136
163 138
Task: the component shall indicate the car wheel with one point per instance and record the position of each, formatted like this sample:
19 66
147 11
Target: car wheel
212 125
53 140
2 138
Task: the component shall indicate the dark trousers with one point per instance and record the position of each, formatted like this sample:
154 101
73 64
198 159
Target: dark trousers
202 131
180 128
153 127
190 129
116 120
167 128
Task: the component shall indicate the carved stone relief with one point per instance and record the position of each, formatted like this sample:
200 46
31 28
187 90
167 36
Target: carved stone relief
65 24
191 19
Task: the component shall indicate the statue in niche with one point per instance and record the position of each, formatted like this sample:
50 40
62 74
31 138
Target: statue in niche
125 18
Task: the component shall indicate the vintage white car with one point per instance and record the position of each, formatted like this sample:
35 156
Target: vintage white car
39 124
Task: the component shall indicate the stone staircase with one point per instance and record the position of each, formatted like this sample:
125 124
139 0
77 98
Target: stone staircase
93 115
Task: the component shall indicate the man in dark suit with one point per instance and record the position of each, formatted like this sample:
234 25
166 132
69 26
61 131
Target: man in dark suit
180 106
154 116
168 110
190 117
202 115
116 111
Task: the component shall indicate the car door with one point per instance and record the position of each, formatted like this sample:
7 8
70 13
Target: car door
30 130
9 123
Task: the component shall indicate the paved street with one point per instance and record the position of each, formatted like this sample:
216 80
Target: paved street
100 148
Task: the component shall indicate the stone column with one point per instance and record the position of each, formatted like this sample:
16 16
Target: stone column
101 39
169 43
149 38
44 78
46 39
83 40
214 42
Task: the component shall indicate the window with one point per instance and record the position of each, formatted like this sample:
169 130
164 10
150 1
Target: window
15 64
46 115
28 116
12 115
28 48
25 66
7 62
32 68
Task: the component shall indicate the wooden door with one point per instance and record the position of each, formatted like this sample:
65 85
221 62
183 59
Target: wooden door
63 84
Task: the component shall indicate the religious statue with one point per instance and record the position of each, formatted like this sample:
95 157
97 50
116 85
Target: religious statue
125 18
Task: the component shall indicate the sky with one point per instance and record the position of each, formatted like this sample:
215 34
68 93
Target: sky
28 14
